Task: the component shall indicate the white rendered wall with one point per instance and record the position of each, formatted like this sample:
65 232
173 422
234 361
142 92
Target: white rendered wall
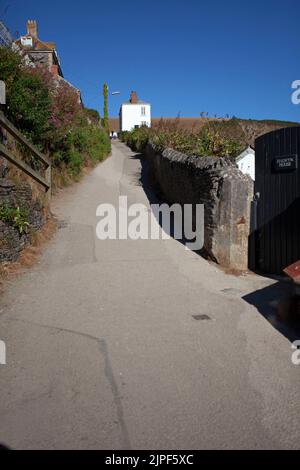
247 165
131 116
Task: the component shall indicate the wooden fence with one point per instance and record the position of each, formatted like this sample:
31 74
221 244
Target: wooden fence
45 180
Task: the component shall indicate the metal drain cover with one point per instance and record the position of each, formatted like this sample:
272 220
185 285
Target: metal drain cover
201 317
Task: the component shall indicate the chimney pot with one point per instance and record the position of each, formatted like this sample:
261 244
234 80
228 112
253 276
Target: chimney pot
32 28
133 97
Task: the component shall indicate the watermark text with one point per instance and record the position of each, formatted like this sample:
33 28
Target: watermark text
296 94
161 222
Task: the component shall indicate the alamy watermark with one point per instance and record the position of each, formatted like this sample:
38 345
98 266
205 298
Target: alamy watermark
161 222
2 353
296 94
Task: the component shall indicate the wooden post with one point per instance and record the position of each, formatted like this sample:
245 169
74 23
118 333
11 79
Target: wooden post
48 175
4 151
2 93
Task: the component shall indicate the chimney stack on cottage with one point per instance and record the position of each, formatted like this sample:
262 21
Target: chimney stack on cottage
134 97
32 28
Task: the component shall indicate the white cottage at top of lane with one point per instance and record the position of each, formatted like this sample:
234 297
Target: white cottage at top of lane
134 113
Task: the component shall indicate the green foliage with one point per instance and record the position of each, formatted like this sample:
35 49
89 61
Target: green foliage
15 216
99 144
91 141
20 221
206 142
29 106
245 131
137 139
28 98
49 113
79 140
210 142
93 115
76 161
85 142
10 66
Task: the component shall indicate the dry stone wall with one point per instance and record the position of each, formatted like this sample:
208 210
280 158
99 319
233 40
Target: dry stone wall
225 192
11 241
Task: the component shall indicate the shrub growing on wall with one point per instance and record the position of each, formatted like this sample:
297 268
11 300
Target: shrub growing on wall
207 142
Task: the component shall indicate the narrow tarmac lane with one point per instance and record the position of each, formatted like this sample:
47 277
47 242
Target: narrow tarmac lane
104 352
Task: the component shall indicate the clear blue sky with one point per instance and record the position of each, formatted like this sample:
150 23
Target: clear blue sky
184 56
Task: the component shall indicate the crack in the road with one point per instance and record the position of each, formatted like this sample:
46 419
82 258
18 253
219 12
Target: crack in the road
115 391
108 370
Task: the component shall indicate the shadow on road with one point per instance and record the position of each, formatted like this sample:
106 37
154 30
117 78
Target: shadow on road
273 302
3 447
155 196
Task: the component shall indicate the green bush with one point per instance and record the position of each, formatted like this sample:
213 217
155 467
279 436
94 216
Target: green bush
92 142
28 98
207 142
15 216
93 115
137 139
100 145
49 113
29 106
75 163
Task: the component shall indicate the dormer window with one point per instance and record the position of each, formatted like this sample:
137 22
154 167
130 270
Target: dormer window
26 41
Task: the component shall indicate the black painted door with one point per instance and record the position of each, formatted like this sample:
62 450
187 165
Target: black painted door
277 180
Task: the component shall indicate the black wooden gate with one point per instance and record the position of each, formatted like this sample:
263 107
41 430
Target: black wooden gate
277 188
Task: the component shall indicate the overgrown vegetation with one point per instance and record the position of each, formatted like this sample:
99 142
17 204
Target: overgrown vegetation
17 217
208 141
244 131
48 111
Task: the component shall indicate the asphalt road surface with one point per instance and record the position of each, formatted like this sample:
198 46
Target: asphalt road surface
123 344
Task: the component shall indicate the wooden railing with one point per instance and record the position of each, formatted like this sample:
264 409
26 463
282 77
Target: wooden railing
45 180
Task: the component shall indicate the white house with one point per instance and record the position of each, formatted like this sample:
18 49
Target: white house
246 162
134 113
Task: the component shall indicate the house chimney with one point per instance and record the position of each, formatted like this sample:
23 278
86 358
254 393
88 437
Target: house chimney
133 97
32 28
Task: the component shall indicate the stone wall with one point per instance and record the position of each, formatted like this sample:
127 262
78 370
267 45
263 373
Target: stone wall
225 192
12 195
